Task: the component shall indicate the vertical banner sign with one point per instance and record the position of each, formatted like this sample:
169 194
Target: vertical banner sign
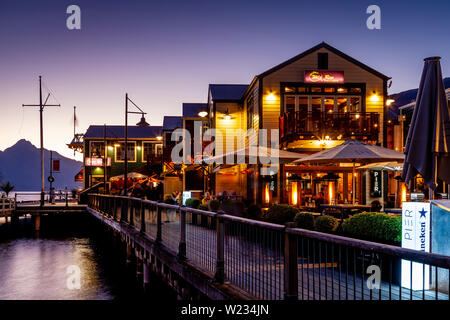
416 236
375 183
55 165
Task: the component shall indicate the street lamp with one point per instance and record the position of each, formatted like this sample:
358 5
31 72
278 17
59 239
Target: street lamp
141 123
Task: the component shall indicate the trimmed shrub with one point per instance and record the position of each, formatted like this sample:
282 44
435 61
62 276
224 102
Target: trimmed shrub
281 213
304 220
214 205
326 224
374 227
253 212
203 207
193 203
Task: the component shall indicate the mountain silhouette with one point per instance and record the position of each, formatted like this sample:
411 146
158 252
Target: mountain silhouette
406 97
21 165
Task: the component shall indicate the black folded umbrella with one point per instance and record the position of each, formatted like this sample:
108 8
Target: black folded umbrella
428 144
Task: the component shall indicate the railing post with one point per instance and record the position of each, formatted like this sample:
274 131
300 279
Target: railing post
290 265
123 209
131 221
182 244
142 211
219 276
114 213
158 223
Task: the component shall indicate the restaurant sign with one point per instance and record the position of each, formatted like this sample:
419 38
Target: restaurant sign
416 236
324 76
375 183
96 162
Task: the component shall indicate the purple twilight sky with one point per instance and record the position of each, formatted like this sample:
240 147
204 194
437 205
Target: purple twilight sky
164 53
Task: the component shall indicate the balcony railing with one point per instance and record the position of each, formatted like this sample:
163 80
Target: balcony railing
345 125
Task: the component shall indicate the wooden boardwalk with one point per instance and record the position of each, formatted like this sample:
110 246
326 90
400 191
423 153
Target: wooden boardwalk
259 270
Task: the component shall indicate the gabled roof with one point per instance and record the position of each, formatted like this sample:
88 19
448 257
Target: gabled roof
118 132
330 48
227 91
191 110
172 122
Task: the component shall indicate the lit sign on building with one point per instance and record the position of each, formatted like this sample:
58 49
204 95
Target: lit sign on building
416 236
96 162
324 76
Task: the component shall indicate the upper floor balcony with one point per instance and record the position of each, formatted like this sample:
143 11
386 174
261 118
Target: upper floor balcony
336 125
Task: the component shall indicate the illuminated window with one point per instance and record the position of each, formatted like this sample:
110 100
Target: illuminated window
342 105
355 90
96 149
289 104
316 89
120 152
329 90
355 105
289 89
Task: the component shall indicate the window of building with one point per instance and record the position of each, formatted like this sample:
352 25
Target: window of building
303 105
289 89
322 60
151 150
328 104
355 90
96 149
329 89
120 152
342 105
355 104
316 89
289 104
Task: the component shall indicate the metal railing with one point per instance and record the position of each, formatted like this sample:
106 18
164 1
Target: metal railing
271 261
321 124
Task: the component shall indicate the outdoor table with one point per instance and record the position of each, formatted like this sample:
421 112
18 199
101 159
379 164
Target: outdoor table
345 208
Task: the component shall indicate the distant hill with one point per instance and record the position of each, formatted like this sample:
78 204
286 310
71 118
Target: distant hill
406 97
21 164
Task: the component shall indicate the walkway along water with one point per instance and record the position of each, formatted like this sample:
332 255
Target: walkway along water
202 253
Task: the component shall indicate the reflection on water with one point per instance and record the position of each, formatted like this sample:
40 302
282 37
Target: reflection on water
37 269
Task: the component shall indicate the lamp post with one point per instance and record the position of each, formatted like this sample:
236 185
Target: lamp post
141 123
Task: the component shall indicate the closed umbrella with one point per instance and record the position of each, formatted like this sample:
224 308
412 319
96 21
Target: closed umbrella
428 143
354 151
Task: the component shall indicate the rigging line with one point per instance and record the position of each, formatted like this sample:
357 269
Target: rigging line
50 91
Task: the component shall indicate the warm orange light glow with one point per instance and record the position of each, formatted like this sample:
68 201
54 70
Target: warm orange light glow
389 102
374 97
271 97
294 194
267 193
158 138
138 147
403 193
330 193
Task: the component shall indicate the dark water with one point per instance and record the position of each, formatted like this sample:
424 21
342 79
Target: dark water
36 267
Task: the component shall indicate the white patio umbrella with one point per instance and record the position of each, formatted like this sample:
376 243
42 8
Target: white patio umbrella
353 151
